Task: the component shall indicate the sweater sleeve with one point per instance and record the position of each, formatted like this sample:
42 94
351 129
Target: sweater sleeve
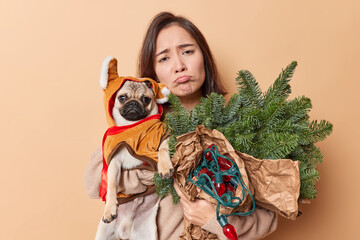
92 176
255 226
131 181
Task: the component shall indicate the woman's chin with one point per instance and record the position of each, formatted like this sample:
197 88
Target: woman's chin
184 92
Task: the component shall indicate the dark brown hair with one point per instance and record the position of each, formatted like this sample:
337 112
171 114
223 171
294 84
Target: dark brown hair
146 66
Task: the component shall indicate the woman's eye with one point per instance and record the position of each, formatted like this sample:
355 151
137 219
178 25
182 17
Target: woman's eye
163 59
145 100
188 52
122 98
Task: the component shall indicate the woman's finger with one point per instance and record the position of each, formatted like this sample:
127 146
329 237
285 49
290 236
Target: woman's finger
179 192
183 200
197 212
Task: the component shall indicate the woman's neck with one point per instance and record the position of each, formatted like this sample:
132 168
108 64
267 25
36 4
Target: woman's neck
189 102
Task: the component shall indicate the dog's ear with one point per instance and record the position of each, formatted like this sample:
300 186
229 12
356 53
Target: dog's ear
108 71
149 84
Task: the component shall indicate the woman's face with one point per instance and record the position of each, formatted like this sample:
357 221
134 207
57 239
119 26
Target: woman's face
179 62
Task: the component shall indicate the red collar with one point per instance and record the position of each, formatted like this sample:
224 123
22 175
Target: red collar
119 129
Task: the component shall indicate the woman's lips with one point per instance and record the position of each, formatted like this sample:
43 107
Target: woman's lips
182 79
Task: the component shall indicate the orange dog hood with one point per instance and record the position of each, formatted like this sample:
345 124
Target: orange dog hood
111 83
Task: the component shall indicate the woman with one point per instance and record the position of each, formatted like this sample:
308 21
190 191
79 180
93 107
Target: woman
175 53
173 47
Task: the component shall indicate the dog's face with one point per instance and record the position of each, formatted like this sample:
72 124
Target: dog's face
133 102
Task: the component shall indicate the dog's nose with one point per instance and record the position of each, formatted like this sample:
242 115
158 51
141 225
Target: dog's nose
133 103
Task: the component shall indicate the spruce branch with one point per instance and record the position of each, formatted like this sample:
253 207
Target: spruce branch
172 144
232 108
319 131
176 120
175 103
277 146
281 87
310 176
249 89
244 143
272 112
298 109
307 190
218 102
165 186
194 120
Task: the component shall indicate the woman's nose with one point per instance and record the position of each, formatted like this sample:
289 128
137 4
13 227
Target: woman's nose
179 65
181 69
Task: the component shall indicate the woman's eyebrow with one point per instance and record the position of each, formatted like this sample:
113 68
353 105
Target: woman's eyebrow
180 46
186 45
163 51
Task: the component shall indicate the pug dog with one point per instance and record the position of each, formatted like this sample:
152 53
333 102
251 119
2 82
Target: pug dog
133 102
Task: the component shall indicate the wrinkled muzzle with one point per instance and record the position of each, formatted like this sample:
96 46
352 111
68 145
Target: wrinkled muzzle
133 111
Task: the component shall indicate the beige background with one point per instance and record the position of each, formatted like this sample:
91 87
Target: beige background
52 116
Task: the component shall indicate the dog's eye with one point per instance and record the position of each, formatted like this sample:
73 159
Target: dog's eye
122 98
145 100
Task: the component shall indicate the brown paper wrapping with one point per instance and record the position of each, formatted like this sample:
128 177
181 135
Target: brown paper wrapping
275 184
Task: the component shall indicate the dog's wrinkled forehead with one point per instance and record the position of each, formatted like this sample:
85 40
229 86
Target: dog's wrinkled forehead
136 89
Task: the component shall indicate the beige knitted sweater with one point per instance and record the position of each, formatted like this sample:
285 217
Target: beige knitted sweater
170 217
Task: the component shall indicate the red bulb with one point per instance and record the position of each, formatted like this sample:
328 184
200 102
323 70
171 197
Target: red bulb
208 153
227 178
206 171
219 187
224 164
208 156
229 232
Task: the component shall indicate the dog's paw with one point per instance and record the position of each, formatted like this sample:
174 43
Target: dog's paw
109 213
166 173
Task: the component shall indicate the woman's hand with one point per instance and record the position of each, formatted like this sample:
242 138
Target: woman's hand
198 212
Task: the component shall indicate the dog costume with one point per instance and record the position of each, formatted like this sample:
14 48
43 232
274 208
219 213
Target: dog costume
142 139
